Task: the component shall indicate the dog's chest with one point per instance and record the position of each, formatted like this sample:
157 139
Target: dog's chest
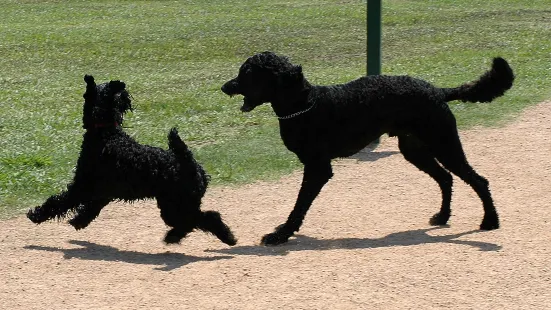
329 138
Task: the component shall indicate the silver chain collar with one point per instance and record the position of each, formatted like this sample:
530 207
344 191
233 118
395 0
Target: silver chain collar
297 113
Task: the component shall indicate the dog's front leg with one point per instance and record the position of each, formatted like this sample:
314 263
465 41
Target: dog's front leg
56 206
315 176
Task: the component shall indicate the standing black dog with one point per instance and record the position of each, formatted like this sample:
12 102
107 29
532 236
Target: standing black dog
319 123
113 166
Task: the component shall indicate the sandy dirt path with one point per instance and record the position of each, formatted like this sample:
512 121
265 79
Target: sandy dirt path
365 244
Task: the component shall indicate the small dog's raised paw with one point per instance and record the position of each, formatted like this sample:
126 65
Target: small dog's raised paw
36 217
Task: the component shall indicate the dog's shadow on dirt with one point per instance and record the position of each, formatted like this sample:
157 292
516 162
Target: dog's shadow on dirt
91 251
404 238
170 261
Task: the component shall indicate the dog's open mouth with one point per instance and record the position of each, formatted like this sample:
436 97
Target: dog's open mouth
247 105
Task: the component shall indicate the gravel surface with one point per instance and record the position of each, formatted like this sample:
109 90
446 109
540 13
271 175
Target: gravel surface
365 244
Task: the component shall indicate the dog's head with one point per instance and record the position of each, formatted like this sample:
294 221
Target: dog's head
105 104
264 77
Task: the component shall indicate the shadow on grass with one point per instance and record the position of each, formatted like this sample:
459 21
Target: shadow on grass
92 251
404 238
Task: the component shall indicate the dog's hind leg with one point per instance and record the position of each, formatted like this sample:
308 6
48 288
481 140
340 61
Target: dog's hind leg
183 215
185 220
450 154
416 153
315 177
87 212
182 222
211 221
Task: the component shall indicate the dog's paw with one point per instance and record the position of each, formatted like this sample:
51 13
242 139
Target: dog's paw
274 239
489 223
172 240
31 216
231 241
439 219
78 225
36 216
174 236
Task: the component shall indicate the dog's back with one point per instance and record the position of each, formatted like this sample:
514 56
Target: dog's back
132 170
381 96
346 117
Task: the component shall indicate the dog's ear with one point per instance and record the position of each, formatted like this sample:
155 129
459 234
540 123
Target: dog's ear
89 79
297 71
292 76
124 102
116 86
90 86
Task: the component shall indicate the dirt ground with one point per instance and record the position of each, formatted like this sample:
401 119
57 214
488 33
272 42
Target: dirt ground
365 244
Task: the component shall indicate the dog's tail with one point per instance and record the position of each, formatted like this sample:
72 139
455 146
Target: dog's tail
178 146
490 85
211 221
186 159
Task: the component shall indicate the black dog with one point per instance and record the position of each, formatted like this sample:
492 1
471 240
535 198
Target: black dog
113 166
319 123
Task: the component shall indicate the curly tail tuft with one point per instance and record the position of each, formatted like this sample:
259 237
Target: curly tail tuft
492 84
177 145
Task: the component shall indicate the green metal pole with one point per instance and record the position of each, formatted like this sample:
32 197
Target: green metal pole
374 37
374 20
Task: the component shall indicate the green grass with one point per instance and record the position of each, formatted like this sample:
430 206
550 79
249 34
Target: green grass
175 55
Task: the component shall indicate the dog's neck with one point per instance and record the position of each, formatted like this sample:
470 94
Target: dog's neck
293 102
102 125
106 125
95 118
295 114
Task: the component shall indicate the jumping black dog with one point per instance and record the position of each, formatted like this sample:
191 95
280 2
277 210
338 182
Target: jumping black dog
113 166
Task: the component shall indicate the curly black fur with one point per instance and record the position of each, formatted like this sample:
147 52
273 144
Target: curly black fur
320 123
113 166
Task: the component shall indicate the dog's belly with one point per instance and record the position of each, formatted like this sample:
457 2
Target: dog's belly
350 141
349 149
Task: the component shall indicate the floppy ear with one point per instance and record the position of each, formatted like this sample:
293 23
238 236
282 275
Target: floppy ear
296 72
90 86
291 77
116 86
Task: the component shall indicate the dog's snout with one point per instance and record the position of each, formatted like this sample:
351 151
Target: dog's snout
230 87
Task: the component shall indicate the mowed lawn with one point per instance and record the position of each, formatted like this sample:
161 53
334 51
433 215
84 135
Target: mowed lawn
174 56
